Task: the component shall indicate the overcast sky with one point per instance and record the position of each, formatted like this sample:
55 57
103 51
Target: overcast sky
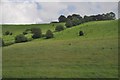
35 11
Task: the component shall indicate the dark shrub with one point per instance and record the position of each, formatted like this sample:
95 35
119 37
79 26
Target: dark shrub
59 28
11 33
24 33
36 33
81 33
28 30
7 33
20 38
49 34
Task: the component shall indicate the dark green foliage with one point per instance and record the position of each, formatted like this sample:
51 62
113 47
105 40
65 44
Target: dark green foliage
20 38
68 23
75 21
69 17
81 33
28 30
10 33
54 22
24 33
49 34
7 32
62 18
99 17
59 28
37 33
76 16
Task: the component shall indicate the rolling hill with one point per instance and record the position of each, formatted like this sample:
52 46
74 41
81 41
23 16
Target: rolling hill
67 55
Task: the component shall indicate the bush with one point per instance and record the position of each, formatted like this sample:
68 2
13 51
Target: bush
24 33
20 38
49 34
81 33
10 33
59 28
7 33
36 33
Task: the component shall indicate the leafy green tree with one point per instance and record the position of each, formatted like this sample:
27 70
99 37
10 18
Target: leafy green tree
62 18
49 34
69 17
75 21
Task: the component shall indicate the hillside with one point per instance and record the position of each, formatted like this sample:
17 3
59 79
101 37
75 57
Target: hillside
67 55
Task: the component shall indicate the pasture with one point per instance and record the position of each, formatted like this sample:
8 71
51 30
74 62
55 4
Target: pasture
67 55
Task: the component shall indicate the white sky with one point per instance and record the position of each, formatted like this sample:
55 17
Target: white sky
37 11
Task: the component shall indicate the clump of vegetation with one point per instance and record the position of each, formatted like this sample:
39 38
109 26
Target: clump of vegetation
24 33
20 38
81 33
62 18
59 28
68 23
8 33
37 33
49 34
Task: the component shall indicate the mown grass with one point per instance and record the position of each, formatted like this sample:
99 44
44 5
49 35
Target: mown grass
67 55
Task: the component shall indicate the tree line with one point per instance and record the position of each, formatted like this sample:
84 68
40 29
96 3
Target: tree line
76 19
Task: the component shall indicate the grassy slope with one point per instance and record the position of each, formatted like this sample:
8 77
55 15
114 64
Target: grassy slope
19 29
92 55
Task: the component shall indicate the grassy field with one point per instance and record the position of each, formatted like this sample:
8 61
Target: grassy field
67 55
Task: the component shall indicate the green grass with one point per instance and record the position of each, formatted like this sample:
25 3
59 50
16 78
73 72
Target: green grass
90 56
19 29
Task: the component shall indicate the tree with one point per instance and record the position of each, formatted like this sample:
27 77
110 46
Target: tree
20 38
81 33
68 23
76 16
49 34
37 33
62 18
75 21
69 17
59 28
